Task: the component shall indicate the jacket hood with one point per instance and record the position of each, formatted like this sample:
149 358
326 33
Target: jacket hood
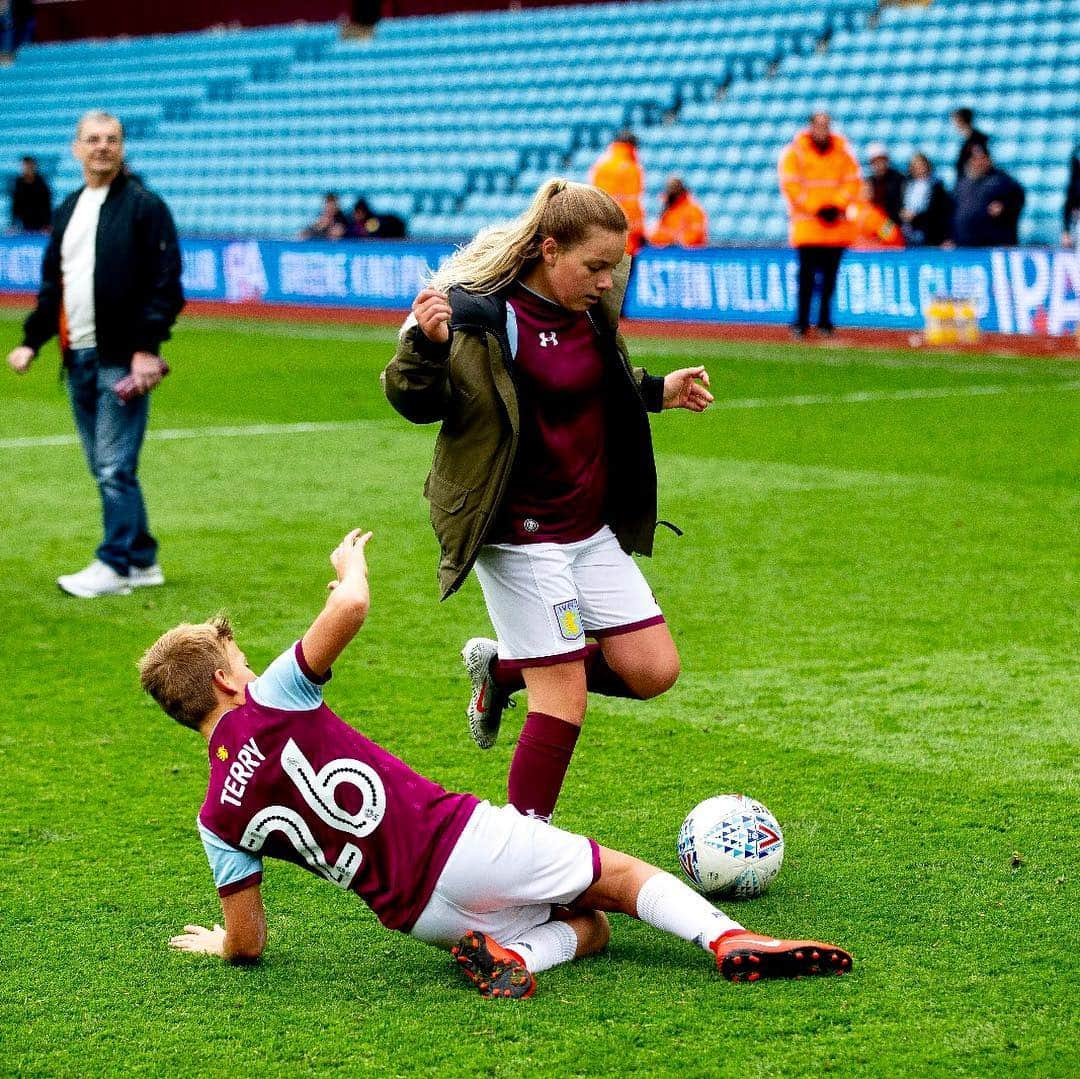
472 309
611 303
804 141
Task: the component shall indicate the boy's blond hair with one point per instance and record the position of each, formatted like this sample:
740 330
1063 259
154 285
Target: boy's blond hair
177 670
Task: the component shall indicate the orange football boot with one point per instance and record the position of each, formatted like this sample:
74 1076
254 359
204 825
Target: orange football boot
494 970
747 957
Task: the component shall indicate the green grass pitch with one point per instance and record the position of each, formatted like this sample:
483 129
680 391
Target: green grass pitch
876 603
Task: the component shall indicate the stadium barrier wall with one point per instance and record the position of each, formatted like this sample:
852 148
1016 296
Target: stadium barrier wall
1025 291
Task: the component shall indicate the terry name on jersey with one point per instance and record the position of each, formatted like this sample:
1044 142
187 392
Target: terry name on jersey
248 758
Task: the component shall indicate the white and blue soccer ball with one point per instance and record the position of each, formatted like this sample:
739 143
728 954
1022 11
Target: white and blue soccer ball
731 846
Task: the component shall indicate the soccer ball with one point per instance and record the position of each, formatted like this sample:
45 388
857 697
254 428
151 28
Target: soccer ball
731 846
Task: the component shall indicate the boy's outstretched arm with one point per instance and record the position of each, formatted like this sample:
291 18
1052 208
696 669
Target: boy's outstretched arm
345 610
244 936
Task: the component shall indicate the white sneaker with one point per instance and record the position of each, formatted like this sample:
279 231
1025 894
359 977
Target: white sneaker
96 580
145 576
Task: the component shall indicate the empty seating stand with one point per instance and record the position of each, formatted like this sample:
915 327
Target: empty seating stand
452 121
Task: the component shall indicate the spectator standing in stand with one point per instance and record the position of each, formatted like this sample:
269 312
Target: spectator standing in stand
988 204
683 222
820 179
7 33
16 27
964 122
618 172
928 208
886 183
1071 231
31 199
24 23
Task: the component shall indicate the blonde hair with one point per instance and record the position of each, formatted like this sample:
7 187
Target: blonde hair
561 209
177 670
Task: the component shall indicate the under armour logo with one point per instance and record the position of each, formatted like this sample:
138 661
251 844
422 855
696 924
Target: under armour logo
548 339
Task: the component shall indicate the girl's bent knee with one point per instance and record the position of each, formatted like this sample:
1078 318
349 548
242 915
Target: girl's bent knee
659 679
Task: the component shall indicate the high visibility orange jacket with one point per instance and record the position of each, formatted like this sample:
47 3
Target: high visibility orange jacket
684 223
873 226
618 172
811 179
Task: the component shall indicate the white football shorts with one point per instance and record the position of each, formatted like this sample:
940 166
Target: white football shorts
504 875
544 599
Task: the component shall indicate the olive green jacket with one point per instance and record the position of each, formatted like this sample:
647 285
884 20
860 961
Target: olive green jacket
467 386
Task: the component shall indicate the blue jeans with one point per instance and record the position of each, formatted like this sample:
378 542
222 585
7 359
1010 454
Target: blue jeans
112 435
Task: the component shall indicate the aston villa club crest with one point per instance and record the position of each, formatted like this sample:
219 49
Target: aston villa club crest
569 618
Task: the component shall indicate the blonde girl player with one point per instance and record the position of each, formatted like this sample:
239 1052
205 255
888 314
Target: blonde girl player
543 478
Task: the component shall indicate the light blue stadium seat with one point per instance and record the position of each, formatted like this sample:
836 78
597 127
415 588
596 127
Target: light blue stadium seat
451 120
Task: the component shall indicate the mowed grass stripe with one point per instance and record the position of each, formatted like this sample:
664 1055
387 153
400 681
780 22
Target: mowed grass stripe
919 713
192 327
257 430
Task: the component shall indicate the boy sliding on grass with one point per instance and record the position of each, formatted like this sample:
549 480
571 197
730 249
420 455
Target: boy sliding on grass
510 895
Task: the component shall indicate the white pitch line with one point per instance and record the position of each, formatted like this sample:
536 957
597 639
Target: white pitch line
919 393
173 434
303 332
321 427
706 351
645 345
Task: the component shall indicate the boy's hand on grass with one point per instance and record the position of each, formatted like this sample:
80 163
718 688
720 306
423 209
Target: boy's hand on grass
201 941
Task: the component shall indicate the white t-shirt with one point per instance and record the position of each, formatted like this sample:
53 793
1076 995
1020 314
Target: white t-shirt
77 259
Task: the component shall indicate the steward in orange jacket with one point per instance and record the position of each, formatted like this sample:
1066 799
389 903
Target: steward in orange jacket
683 223
619 173
819 177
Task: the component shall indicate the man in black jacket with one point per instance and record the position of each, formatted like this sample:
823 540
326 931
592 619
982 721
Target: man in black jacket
988 204
964 122
886 183
110 286
1071 226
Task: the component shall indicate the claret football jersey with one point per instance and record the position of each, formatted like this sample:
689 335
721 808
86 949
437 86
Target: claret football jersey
558 485
290 780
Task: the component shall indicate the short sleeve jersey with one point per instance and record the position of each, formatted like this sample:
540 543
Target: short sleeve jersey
290 780
558 486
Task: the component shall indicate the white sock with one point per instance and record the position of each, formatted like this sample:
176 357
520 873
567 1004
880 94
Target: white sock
668 904
546 946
